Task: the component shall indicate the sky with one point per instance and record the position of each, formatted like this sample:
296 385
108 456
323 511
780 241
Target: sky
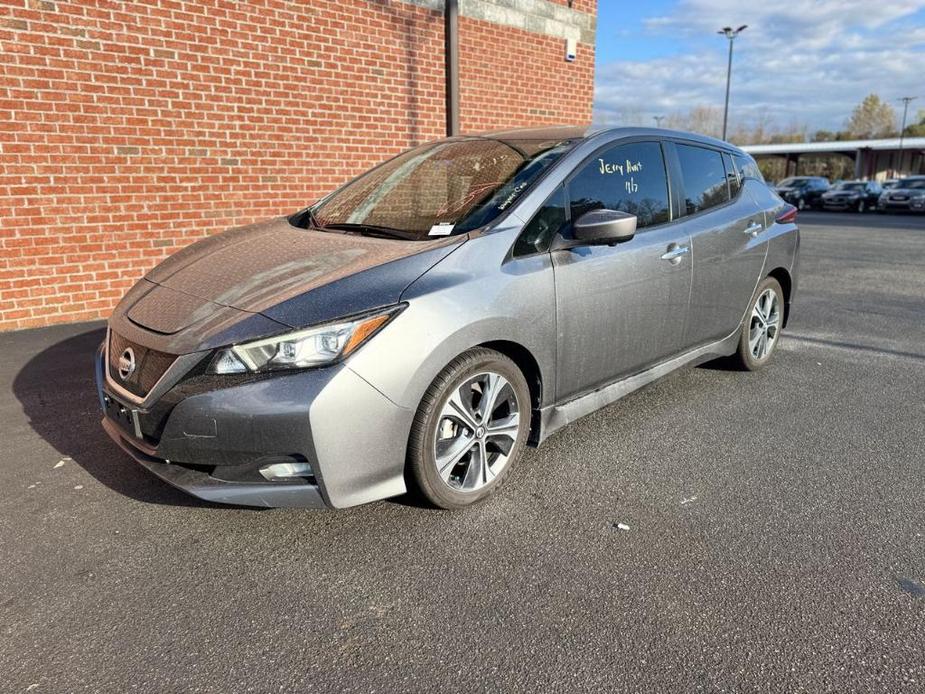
800 62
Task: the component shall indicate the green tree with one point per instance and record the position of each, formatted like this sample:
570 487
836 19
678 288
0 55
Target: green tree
917 129
872 118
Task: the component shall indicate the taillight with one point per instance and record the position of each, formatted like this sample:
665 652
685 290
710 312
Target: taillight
788 215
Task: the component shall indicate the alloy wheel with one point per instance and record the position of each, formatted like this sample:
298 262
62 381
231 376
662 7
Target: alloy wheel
764 325
476 432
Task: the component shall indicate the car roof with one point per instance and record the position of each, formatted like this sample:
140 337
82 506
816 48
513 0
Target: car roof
586 132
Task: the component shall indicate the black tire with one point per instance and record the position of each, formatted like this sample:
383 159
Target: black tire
422 464
744 358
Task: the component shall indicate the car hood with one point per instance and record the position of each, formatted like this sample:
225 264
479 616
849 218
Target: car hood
906 191
791 189
241 283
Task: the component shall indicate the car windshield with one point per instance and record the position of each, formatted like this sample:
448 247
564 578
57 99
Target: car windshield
851 185
793 182
438 189
912 184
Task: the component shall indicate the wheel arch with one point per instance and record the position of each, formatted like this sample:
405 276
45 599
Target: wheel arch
786 284
530 368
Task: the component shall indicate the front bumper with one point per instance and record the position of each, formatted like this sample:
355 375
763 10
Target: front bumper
209 436
204 486
840 203
903 205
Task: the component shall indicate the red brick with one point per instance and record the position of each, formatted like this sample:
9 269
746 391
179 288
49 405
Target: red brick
132 129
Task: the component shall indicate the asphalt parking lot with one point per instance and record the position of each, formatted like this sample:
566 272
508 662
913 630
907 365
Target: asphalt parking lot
776 534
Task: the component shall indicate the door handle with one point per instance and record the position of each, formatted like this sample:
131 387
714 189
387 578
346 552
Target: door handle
673 255
753 229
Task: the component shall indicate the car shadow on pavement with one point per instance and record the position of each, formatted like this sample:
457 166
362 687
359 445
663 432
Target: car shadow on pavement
57 392
720 364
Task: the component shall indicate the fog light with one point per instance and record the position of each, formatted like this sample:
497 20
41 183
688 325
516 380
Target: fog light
286 471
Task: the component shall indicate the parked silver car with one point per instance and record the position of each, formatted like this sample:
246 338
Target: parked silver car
907 195
425 322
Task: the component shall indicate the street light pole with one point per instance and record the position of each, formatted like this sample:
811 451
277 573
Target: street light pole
902 131
730 34
658 120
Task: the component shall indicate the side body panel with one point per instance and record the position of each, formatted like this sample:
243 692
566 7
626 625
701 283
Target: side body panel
783 241
728 264
476 295
619 307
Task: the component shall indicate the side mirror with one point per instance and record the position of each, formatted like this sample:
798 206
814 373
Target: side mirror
605 226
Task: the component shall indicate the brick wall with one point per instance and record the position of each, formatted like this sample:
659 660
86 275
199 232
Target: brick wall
128 130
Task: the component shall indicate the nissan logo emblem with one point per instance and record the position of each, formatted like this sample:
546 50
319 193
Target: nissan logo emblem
126 363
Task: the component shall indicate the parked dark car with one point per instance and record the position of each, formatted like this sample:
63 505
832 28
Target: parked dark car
803 191
907 196
858 196
426 321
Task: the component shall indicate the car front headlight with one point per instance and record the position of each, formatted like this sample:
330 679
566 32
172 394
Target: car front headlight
302 349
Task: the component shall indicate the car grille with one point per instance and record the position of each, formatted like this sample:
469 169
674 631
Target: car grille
150 365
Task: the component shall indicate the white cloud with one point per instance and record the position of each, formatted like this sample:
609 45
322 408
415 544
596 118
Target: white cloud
806 62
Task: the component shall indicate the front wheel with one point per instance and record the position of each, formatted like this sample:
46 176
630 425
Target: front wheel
762 325
470 429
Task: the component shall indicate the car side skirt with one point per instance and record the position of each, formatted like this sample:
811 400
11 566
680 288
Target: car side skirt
556 417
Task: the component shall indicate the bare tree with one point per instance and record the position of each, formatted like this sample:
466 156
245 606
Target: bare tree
706 120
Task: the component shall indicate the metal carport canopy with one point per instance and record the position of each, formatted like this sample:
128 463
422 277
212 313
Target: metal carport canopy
785 148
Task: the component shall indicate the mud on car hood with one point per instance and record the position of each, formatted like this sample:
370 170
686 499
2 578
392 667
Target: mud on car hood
240 283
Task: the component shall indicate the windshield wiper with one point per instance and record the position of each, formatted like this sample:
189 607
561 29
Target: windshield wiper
373 230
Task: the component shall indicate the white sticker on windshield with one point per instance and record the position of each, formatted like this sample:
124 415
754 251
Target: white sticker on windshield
441 229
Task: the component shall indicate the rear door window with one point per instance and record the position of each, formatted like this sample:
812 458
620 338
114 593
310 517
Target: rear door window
704 178
628 178
732 176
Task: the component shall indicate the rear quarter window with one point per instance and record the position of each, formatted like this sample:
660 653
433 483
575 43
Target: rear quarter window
747 167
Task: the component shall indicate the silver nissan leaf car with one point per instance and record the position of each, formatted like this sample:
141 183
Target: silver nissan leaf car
421 325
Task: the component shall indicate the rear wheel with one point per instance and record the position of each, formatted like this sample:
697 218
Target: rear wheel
470 429
761 329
